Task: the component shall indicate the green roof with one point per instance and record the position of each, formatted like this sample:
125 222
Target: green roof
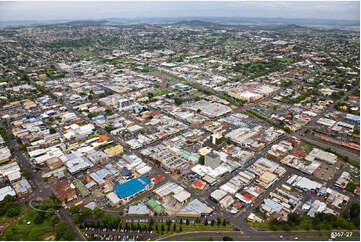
189 156
81 187
155 206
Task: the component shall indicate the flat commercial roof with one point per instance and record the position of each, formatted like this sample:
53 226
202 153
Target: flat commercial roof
138 209
132 187
182 196
155 205
113 198
218 194
8 190
168 188
195 208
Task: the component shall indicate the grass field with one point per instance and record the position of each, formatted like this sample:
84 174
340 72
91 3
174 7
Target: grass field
234 43
116 61
96 59
82 52
286 60
213 36
162 93
192 228
20 230
197 239
199 94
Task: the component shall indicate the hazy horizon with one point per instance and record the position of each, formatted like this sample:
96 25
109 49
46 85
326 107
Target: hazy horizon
47 11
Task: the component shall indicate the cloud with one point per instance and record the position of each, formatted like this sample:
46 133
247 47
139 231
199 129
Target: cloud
95 10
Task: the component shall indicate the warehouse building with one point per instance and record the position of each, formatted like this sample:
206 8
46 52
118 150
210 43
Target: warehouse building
140 210
132 187
195 209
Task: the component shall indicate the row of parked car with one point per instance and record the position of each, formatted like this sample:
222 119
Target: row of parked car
117 230
111 237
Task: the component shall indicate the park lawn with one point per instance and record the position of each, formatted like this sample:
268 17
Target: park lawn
82 52
162 93
265 226
116 61
96 58
213 36
4 219
199 94
330 38
233 42
21 229
286 60
196 227
197 239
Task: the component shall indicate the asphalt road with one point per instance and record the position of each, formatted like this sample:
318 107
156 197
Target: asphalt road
261 236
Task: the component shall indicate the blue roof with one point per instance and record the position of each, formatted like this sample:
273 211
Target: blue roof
132 187
98 118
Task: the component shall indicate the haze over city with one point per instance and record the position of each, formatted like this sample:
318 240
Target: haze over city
16 11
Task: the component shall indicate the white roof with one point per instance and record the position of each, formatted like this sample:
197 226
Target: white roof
226 201
182 196
229 188
90 205
9 168
14 176
138 209
195 207
214 173
326 122
218 194
113 198
77 164
308 184
8 190
168 188
135 128
317 154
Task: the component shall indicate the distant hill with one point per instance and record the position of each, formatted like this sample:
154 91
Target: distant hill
86 22
203 22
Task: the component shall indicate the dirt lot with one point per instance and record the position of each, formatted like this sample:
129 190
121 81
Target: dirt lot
327 172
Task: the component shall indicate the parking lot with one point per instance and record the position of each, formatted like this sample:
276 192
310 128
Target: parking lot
118 235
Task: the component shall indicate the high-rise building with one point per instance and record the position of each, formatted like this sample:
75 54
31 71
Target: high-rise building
216 138
212 160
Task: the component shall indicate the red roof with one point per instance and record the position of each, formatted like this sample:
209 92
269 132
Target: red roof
299 154
163 133
102 138
248 195
237 205
158 178
198 183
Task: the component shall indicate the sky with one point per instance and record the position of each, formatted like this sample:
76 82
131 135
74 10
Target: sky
54 10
